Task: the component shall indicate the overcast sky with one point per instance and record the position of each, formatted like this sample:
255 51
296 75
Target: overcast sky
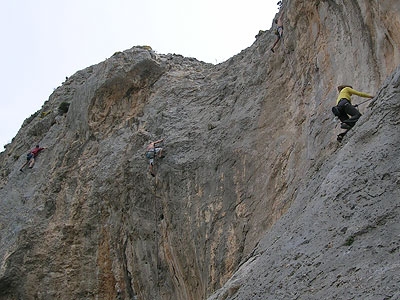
44 41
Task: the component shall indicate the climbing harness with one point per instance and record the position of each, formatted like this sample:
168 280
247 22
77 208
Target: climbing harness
152 153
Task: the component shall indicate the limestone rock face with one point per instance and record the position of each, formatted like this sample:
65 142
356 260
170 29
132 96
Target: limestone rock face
255 199
340 237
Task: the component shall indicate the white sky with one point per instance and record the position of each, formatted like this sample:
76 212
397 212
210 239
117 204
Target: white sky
44 41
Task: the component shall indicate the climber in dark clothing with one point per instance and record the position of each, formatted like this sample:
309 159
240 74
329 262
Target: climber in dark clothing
151 151
344 110
279 31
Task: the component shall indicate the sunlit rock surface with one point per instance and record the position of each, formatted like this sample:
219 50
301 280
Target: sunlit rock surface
255 198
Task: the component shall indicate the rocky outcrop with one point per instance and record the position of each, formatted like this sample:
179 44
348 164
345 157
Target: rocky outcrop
254 197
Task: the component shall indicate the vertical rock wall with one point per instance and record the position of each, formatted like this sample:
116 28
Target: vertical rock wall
340 237
88 221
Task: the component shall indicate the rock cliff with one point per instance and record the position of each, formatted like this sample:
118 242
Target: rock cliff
255 199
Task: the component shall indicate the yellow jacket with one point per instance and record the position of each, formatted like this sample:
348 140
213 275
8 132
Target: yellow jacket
347 92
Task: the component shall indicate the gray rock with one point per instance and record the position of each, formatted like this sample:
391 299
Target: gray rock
340 237
255 198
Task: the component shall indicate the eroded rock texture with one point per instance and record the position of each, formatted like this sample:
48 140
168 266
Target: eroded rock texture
255 199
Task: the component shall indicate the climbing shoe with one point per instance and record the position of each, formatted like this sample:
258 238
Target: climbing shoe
345 126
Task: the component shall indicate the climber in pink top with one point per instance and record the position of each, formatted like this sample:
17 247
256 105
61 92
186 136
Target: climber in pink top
31 157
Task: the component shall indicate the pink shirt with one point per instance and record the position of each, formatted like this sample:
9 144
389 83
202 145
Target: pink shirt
35 151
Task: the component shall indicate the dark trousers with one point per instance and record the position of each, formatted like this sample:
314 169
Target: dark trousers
346 109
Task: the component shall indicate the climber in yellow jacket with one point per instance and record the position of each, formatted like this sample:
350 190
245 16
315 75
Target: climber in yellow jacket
344 110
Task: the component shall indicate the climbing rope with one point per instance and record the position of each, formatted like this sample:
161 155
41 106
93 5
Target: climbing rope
156 214
156 220
363 102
